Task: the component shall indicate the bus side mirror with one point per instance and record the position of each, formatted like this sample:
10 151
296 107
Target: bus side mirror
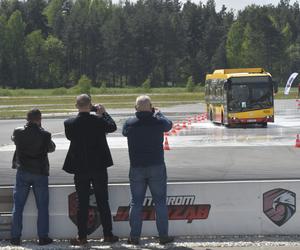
275 87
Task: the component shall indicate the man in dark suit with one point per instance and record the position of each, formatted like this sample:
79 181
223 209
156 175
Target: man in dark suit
88 159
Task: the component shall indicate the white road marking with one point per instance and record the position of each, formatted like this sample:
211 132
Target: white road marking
218 136
188 141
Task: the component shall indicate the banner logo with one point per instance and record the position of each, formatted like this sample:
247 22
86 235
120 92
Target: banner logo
279 205
94 220
179 208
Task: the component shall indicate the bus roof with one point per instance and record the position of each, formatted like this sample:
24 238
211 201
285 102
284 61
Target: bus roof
242 72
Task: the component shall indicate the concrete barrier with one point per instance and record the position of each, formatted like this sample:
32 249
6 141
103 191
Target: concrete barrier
198 208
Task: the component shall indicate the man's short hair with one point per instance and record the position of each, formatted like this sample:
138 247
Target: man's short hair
143 103
34 115
83 100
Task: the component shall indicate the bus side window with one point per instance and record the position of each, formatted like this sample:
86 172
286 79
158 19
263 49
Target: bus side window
221 93
207 89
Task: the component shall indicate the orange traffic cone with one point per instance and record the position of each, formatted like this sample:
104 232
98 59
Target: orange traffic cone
195 119
297 141
174 131
177 127
166 144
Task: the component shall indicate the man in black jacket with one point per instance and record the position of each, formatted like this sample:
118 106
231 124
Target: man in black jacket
145 135
31 161
88 159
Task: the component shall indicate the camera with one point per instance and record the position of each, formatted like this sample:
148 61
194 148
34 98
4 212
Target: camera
94 108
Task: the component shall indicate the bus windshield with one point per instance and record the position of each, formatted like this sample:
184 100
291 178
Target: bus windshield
250 93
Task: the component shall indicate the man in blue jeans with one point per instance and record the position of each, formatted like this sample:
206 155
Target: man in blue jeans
145 135
31 161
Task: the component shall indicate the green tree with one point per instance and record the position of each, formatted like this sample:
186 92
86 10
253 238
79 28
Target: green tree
55 17
147 85
55 55
83 37
84 85
34 17
126 43
287 34
15 51
219 59
115 33
190 85
234 45
169 47
194 26
4 77
293 53
35 52
7 7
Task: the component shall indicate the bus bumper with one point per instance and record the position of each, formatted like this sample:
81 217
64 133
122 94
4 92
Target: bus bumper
234 120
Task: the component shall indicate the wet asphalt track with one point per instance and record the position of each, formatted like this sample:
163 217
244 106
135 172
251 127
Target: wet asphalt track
202 152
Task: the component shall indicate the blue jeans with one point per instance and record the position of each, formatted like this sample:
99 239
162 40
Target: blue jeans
39 185
156 178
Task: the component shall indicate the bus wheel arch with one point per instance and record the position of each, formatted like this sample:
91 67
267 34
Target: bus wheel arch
222 118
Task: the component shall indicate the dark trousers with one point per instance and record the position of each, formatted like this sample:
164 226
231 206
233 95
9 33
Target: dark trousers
99 182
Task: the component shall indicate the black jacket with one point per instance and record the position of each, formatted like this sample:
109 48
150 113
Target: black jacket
88 151
145 136
32 146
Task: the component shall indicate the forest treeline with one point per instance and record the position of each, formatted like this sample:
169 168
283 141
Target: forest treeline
45 44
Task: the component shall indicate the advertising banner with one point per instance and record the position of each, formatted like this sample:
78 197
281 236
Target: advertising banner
198 208
6 200
289 83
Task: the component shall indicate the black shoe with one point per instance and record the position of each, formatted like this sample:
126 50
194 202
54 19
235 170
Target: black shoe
133 241
78 242
111 239
15 241
45 241
165 240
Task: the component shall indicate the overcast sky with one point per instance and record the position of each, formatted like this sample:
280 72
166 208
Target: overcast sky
241 4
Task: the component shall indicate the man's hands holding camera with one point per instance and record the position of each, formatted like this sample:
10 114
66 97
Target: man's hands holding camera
155 111
98 109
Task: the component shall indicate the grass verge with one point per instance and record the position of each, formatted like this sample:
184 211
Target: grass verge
15 103
17 106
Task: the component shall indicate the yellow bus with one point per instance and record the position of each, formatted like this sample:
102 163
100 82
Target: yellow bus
240 96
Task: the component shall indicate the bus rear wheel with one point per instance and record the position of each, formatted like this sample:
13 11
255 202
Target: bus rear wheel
264 124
